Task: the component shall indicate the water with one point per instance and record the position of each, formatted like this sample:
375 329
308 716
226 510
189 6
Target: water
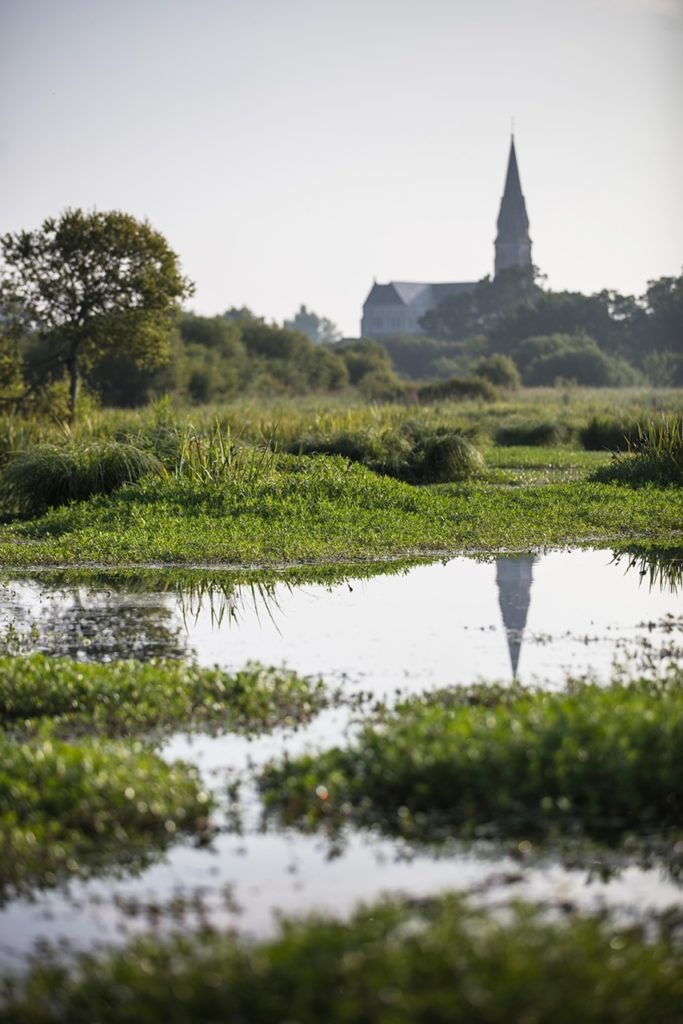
536 617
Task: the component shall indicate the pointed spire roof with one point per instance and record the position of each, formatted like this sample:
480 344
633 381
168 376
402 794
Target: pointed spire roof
513 222
514 576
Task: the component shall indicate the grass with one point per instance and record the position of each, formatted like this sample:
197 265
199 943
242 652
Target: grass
129 696
325 509
47 475
594 761
544 434
393 962
96 806
231 497
414 453
655 456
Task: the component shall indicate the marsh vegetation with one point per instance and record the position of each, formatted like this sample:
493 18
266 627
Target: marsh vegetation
104 756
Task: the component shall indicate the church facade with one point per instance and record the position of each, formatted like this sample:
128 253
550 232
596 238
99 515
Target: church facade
396 307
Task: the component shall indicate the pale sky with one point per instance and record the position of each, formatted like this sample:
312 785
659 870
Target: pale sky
292 150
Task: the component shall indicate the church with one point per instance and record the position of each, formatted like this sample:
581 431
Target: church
396 307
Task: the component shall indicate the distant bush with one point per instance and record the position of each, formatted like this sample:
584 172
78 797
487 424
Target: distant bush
363 358
49 475
655 456
545 434
499 370
544 359
605 433
457 389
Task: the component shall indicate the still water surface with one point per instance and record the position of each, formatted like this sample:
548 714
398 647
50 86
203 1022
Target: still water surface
538 617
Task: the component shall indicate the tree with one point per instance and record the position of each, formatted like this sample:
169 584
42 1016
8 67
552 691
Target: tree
319 329
89 284
473 312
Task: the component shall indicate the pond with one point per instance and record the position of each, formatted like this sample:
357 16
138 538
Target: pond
534 617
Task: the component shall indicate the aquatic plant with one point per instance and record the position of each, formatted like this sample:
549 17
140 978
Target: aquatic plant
594 760
128 696
75 809
430 961
49 475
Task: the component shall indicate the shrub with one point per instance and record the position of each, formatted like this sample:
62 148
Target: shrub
500 370
49 475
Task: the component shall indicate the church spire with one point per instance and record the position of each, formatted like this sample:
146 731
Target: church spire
513 245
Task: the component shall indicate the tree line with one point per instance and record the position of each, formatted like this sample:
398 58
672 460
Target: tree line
600 339
96 298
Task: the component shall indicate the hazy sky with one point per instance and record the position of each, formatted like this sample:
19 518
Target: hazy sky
292 150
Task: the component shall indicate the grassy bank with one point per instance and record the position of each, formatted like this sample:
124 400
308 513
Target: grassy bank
435 961
326 509
594 760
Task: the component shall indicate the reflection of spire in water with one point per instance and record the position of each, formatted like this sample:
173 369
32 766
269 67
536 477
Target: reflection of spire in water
514 577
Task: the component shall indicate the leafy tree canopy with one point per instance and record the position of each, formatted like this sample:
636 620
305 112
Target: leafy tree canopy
469 313
89 284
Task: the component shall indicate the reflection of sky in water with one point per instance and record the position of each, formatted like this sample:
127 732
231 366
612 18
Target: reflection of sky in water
438 624
434 625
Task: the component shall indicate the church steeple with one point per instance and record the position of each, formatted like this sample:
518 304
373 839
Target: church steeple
513 245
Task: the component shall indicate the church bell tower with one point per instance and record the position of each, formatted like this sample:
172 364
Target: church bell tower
513 245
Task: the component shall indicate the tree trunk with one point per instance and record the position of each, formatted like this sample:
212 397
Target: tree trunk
72 366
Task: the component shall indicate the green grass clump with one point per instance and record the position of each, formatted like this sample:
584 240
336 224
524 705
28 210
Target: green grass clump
593 760
414 454
125 696
544 434
49 475
654 457
393 962
605 433
77 809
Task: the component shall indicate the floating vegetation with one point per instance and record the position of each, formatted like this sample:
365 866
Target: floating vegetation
132 696
594 761
430 961
76 809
